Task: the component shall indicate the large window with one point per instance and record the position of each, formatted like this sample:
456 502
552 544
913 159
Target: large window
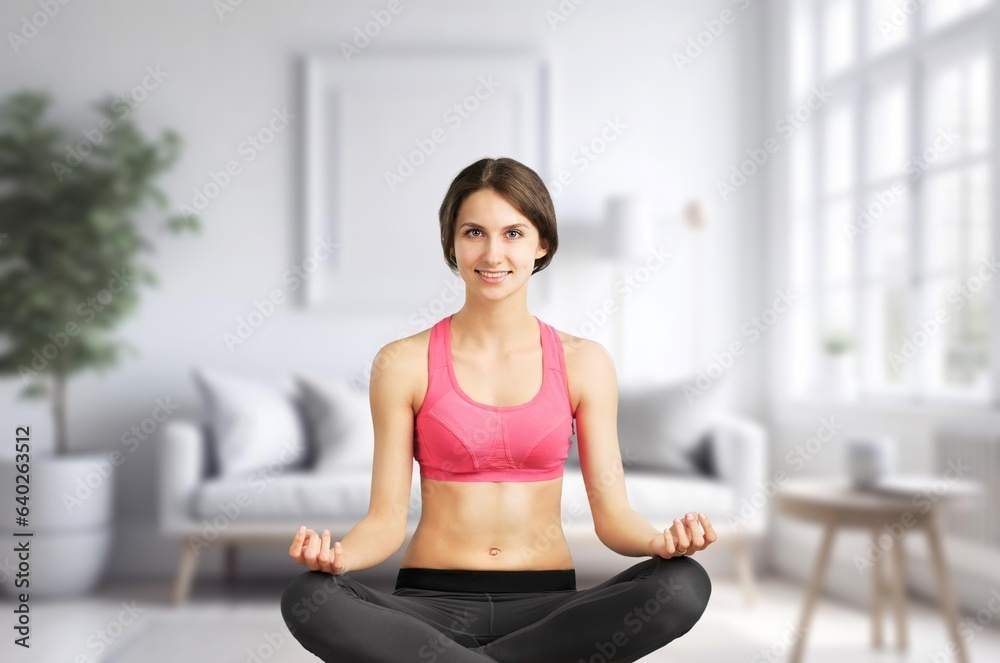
891 196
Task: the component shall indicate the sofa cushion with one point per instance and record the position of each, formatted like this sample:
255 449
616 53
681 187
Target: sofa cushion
253 424
658 496
659 429
293 496
339 424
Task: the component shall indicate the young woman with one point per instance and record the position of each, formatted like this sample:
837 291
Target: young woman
484 401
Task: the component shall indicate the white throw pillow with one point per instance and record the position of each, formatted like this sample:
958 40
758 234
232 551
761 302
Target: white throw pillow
340 424
658 429
254 425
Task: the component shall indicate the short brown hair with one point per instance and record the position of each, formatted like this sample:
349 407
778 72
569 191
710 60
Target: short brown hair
518 185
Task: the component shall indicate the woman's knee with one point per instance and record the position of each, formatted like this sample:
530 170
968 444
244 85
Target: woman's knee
685 584
307 594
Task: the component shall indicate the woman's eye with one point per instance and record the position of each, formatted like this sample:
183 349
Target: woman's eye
476 230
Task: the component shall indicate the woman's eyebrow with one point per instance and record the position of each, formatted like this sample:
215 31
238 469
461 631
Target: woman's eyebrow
476 225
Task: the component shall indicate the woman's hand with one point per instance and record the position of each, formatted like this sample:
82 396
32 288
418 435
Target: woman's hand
310 549
686 536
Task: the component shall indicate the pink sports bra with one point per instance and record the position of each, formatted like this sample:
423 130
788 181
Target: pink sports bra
457 439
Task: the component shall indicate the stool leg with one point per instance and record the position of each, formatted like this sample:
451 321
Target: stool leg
815 585
944 583
899 592
876 594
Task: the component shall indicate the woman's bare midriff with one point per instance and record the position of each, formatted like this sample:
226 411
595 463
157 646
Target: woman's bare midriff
510 525
486 525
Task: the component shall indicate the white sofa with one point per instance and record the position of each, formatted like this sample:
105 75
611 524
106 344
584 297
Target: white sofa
199 510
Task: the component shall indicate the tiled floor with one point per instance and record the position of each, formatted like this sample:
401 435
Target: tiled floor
133 624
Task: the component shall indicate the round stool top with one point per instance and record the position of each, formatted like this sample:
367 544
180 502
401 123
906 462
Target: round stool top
836 498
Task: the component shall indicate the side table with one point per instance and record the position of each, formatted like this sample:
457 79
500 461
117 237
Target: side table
835 503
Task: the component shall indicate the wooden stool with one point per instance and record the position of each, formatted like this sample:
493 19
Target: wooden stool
834 503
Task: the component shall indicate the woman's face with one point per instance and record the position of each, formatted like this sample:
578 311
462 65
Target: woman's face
492 236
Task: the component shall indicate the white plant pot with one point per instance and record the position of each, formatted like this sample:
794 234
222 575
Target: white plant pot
837 380
70 516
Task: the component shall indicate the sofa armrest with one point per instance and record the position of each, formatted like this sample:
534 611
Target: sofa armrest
182 467
740 451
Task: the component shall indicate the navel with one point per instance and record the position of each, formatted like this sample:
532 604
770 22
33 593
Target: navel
494 551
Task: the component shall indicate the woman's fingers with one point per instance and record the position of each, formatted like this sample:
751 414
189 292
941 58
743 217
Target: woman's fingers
710 535
682 537
296 548
323 558
338 556
697 538
312 551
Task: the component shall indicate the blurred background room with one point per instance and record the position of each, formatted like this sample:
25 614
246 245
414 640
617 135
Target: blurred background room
779 216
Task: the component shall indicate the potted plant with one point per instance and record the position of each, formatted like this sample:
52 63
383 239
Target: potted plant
69 270
837 380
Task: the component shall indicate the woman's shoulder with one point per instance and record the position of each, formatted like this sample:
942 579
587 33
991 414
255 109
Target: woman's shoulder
407 354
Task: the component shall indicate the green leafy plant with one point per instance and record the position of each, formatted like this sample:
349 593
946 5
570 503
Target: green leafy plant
69 243
837 343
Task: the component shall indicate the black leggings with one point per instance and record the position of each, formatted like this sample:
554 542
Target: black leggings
469 616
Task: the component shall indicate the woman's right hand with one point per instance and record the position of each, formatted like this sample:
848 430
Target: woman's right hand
313 551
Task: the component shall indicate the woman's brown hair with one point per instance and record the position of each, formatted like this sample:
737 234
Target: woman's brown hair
518 185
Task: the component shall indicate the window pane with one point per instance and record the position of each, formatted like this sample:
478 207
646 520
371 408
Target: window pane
885 365
958 351
940 13
942 207
888 131
979 104
980 243
957 231
838 149
838 249
802 262
958 112
802 50
888 25
802 167
804 350
838 314
839 35
886 217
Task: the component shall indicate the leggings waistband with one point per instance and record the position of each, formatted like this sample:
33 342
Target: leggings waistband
471 580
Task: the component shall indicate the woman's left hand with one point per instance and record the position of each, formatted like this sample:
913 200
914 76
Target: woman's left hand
685 536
